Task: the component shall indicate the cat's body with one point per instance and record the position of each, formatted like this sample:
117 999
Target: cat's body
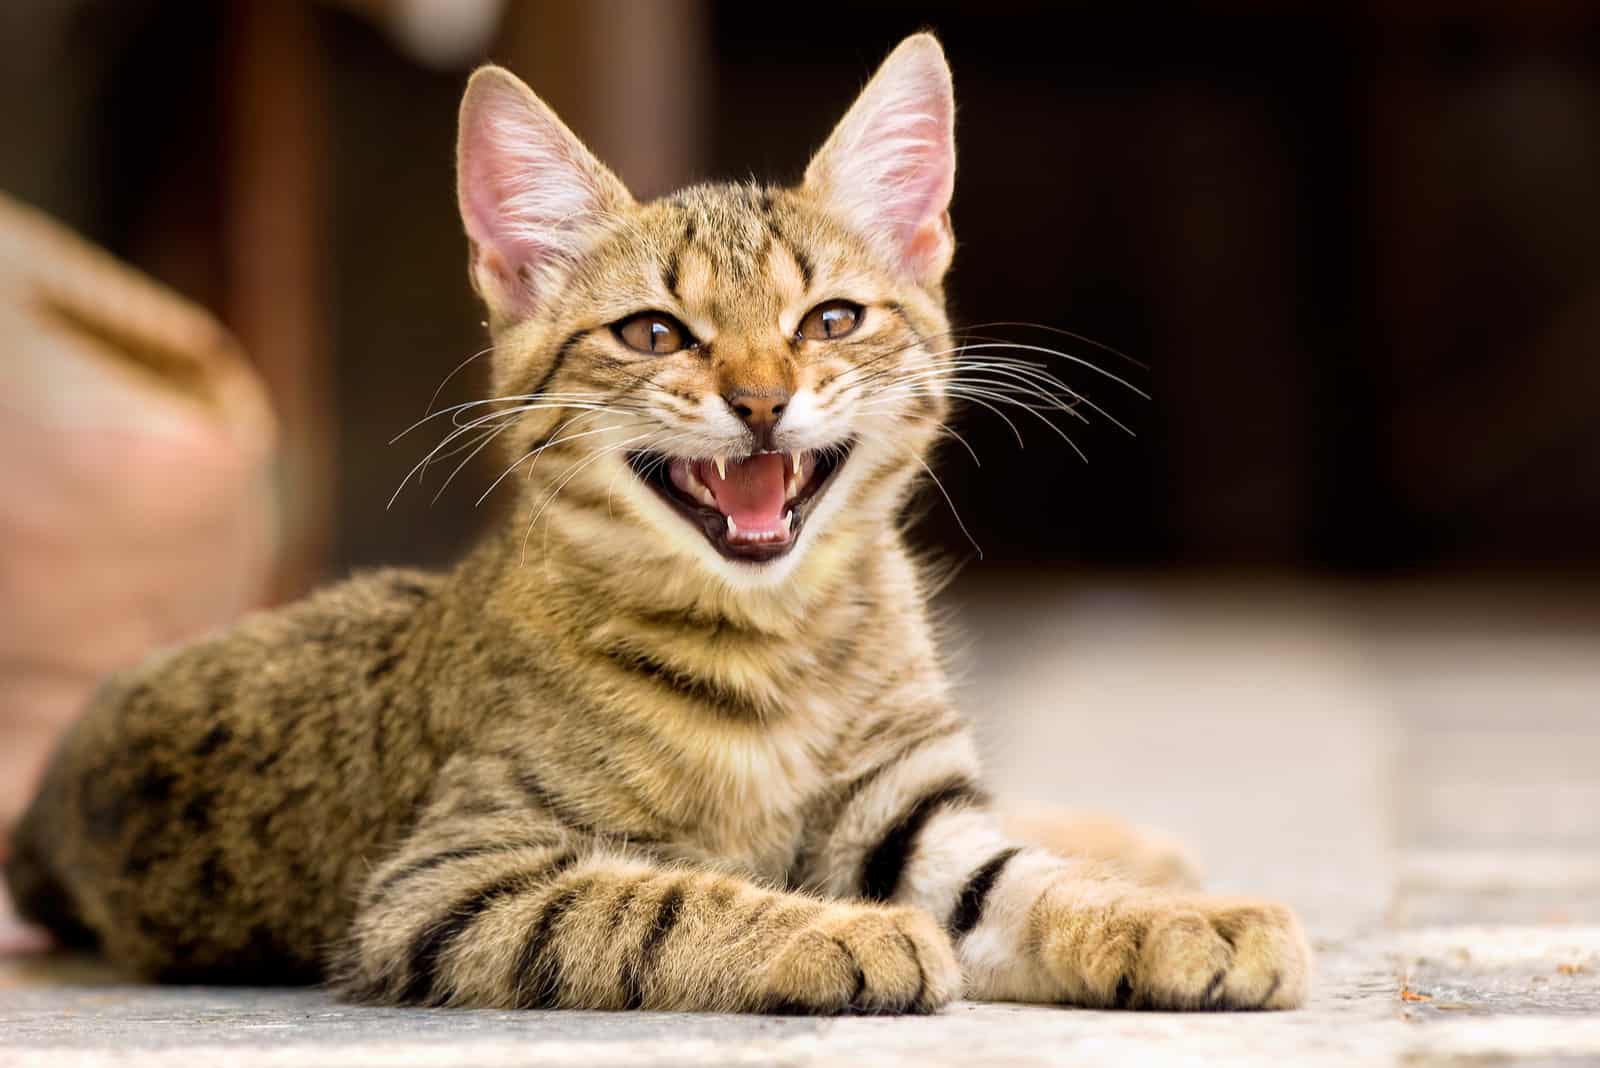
681 741
197 830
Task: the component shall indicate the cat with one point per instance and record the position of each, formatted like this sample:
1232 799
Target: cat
676 738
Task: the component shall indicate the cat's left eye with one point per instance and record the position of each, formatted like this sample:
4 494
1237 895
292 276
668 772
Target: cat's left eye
656 333
830 321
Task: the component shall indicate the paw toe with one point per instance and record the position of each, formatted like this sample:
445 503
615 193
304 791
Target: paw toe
812 974
866 960
1182 959
1271 959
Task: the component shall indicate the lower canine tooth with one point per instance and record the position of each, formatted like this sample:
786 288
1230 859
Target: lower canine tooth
733 528
788 519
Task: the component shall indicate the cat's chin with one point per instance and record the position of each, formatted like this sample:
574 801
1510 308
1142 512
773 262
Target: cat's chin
674 481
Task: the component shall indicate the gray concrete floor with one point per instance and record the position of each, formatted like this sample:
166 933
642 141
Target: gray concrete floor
1418 772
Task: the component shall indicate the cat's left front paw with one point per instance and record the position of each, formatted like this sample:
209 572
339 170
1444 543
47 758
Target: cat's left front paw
1141 950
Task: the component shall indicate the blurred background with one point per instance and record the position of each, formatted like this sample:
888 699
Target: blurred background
1356 247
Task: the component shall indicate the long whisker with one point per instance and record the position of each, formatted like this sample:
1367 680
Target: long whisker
1086 400
573 472
1002 390
656 443
865 373
574 421
505 417
457 370
967 332
952 504
1040 379
657 461
422 464
534 454
957 367
1101 345
483 444
946 430
502 427
1011 374
536 402
977 396
1002 416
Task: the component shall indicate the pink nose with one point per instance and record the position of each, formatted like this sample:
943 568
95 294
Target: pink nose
760 412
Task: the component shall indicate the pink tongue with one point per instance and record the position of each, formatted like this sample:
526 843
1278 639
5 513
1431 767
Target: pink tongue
752 494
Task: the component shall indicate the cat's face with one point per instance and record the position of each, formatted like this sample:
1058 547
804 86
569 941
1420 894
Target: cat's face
735 376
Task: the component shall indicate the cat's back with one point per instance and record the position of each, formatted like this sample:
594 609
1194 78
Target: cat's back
217 802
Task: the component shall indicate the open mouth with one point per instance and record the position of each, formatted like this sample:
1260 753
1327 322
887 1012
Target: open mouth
748 509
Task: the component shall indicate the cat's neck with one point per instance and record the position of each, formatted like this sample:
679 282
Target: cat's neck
560 578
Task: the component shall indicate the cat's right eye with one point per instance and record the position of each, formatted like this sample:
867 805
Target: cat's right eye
654 333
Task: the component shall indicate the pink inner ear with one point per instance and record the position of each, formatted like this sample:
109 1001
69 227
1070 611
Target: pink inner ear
924 178
525 190
481 205
892 167
929 245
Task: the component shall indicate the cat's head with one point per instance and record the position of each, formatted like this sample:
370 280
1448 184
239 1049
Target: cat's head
740 379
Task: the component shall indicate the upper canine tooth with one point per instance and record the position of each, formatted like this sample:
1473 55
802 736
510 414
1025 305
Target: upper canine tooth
722 471
795 456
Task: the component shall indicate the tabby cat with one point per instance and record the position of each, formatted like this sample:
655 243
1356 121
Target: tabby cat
676 738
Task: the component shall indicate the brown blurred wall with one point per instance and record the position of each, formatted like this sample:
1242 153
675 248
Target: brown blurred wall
1357 250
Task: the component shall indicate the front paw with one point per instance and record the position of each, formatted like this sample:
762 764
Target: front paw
1133 949
861 958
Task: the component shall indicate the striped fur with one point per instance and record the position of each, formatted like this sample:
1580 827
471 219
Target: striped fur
599 764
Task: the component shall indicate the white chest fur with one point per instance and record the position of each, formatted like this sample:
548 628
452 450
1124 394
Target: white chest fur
747 786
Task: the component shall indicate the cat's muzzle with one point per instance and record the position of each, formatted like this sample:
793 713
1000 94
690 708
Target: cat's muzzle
750 508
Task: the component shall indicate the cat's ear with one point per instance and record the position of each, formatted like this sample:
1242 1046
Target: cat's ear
529 192
890 165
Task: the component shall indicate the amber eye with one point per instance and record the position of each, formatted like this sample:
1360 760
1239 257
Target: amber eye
654 332
831 320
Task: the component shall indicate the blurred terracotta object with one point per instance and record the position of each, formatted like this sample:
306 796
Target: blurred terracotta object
136 507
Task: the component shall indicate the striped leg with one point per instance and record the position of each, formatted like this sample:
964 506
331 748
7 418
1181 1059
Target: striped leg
1030 925
492 908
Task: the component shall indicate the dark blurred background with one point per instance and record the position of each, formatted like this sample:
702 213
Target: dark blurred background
1358 246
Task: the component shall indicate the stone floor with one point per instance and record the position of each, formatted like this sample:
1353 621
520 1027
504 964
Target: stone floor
1417 771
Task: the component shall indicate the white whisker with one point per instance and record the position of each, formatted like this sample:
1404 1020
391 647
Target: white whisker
534 454
573 472
457 370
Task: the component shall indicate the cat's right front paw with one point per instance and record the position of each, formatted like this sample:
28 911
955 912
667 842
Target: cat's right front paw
863 958
1142 950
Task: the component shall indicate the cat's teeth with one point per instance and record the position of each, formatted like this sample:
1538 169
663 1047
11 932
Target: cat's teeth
697 489
733 528
791 487
795 457
788 520
722 471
